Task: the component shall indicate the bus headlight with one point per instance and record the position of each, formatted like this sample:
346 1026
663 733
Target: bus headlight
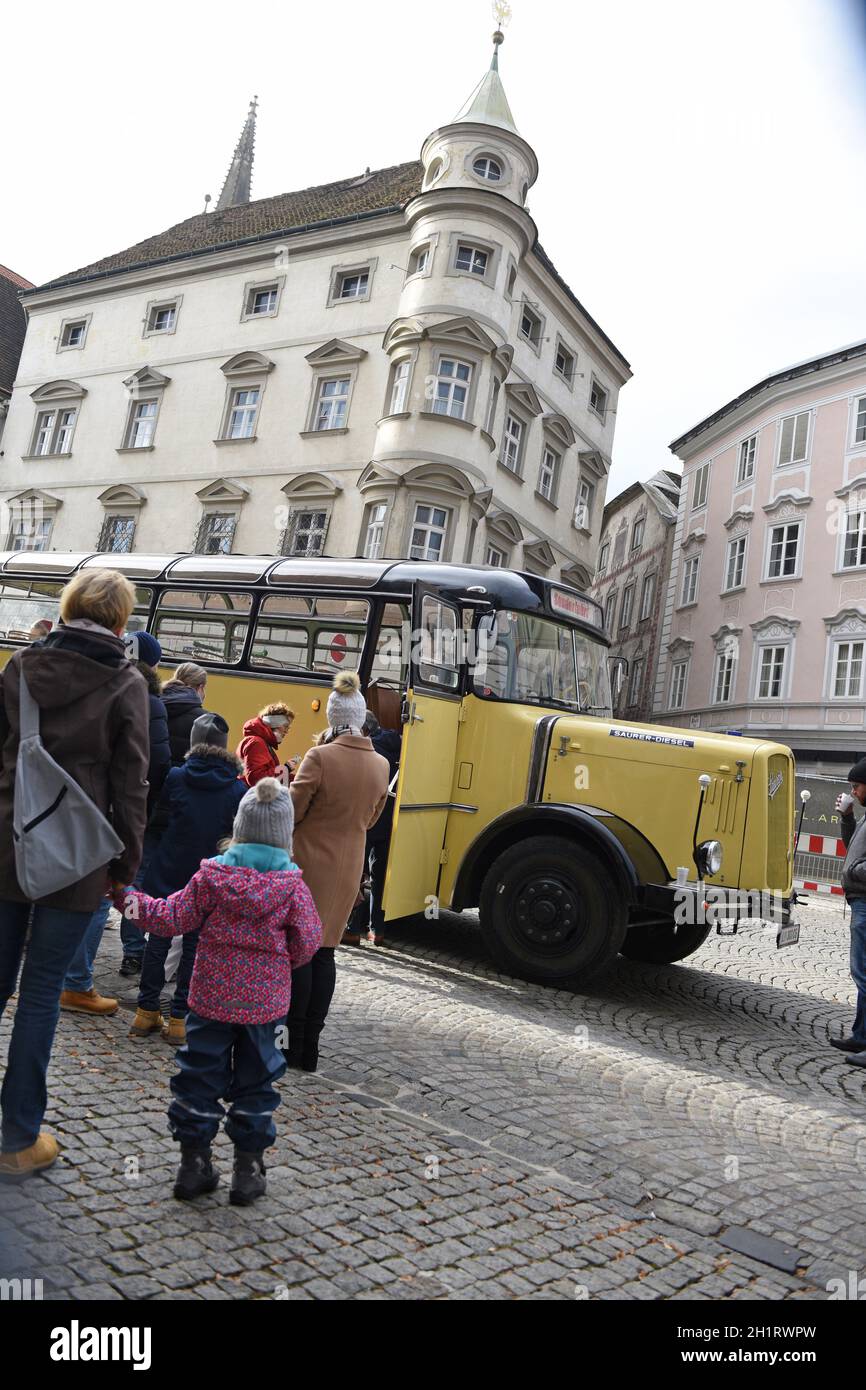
709 858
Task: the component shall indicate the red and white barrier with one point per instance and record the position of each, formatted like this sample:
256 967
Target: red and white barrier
821 844
828 888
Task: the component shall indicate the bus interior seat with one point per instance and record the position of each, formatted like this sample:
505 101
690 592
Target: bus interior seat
386 703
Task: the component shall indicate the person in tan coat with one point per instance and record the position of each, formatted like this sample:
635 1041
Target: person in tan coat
338 793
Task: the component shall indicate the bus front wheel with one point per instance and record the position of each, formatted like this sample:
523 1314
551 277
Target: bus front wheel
551 912
662 943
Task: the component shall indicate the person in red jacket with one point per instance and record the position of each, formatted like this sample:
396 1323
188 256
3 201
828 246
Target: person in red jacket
257 749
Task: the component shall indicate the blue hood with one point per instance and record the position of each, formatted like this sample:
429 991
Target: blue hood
265 858
211 771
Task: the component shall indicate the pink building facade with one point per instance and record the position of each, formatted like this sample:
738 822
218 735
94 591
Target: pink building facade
764 629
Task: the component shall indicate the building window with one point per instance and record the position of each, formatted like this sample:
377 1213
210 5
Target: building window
487 168
73 333
854 553
736 563
860 422
429 530
419 259
746 460
471 259
690 580
636 683
162 318
243 413
597 399
54 431
400 386
531 326
374 532
142 424
512 445
619 548
548 474
353 284
497 559
627 605
332 404
306 533
564 363
723 682
603 555
677 695
848 672
30 534
117 535
452 388
794 439
784 551
771 675
216 533
511 282
701 487
262 301
646 597
583 509
610 612
637 535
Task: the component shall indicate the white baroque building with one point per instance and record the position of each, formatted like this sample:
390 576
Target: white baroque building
385 366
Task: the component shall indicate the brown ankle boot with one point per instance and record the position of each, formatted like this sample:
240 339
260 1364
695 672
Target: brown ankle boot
146 1021
87 1002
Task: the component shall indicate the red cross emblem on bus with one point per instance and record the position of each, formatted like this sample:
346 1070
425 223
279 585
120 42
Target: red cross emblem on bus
338 649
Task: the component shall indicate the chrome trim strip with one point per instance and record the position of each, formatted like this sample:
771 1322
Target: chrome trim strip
541 740
439 806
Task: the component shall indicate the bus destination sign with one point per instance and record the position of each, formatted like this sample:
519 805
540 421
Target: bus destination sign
573 607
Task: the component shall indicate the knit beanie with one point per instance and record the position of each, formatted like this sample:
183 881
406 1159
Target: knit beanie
347 707
143 646
858 771
265 816
211 729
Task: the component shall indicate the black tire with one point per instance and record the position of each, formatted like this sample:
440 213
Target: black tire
552 912
659 944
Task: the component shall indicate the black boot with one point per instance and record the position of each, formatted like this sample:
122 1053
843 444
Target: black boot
294 1053
248 1179
130 965
310 1048
196 1174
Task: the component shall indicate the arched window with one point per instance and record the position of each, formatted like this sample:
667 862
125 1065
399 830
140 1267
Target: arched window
434 169
487 168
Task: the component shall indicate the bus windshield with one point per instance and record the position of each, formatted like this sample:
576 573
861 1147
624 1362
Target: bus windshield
535 661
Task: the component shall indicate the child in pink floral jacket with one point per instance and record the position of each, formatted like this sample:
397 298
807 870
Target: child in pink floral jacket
258 923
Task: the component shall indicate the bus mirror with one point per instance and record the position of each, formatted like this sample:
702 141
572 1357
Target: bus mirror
488 632
618 675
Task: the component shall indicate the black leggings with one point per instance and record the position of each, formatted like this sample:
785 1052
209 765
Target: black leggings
312 991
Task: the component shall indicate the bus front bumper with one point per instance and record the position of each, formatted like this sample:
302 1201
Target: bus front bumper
731 911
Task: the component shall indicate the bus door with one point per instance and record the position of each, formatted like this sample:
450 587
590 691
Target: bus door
431 720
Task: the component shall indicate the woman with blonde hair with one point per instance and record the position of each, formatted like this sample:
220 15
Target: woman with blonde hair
183 697
338 793
257 749
93 717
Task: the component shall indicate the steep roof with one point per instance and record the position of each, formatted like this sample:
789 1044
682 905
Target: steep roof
374 194
662 489
13 325
488 104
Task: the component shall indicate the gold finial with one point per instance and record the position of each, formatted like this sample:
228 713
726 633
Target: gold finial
502 15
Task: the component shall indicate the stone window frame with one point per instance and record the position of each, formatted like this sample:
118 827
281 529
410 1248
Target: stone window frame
342 271
410 356
765 639
68 323
561 344
243 372
704 469
421 498
121 500
338 372
773 524
43 506
55 397
856 411
585 524
533 308
145 385
428 243
525 426
366 522
795 464
497 550
478 243
254 287
739 481
849 626
732 541
690 603
306 507
460 352
679 662
722 654
548 447
166 301
220 498
487 152
442 157
595 381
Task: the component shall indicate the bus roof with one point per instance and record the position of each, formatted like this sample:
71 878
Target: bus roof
501 588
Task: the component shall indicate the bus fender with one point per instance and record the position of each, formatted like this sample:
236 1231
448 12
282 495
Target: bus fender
631 858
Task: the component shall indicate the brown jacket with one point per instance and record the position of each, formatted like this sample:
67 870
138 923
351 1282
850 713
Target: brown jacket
94 721
339 791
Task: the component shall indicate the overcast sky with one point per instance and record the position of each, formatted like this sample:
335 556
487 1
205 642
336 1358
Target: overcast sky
702 185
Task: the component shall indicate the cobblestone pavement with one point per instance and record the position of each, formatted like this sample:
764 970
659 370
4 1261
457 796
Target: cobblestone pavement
469 1135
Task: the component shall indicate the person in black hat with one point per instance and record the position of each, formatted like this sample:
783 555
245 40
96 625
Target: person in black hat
854 884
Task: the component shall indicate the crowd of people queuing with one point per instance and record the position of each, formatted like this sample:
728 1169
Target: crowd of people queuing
252 865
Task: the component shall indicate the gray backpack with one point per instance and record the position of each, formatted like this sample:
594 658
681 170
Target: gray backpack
60 835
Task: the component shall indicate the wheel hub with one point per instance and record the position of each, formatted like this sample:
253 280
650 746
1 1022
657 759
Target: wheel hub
546 913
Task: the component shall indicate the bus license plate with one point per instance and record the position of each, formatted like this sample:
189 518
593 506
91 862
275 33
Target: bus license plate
788 936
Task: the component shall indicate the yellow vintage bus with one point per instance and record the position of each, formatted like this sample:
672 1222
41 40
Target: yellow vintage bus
577 834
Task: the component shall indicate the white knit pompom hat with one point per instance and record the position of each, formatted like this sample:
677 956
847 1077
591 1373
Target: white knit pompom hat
347 707
265 816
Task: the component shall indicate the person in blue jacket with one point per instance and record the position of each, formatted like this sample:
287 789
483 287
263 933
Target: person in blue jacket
199 802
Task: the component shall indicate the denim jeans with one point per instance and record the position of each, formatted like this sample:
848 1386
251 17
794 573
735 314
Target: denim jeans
79 976
55 936
234 1062
858 965
152 980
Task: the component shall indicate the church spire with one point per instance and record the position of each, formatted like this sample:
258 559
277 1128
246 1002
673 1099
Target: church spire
488 104
236 189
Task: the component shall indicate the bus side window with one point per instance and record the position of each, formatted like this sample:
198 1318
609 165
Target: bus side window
391 657
202 625
322 635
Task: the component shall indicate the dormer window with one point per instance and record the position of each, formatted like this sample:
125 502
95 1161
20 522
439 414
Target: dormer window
487 168
472 260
